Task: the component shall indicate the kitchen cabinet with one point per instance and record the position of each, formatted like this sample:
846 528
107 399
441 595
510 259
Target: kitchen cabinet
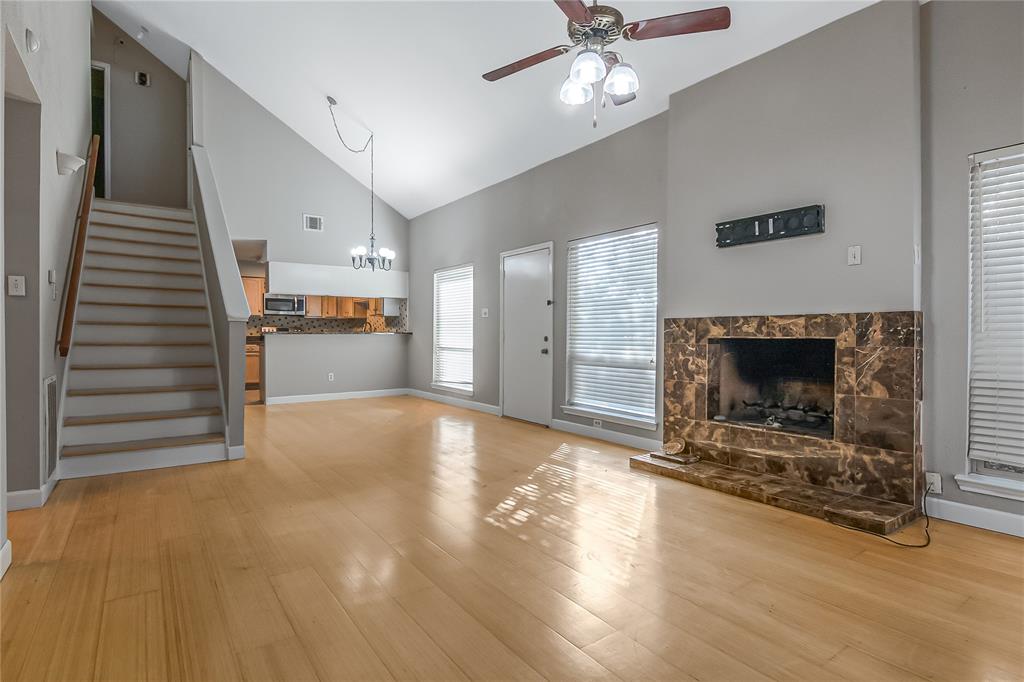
329 306
254 287
252 364
375 307
314 306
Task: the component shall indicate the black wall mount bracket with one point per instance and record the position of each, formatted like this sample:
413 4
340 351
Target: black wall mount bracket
793 222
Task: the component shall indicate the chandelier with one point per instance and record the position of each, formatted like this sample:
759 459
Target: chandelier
373 258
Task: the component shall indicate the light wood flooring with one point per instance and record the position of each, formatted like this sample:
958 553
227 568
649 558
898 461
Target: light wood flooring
395 537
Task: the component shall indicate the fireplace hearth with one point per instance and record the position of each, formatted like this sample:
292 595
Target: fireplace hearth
782 384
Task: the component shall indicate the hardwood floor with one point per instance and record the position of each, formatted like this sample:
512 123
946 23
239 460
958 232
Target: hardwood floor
396 537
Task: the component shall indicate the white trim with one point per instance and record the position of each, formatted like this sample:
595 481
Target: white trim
5 558
464 392
236 452
452 400
348 395
34 497
140 460
629 440
550 246
610 417
105 68
979 517
996 486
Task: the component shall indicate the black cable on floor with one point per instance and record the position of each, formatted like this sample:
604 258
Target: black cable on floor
927 522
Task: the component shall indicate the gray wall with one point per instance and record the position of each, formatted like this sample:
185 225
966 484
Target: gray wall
21 314
298 364
276 176
147 147
830 118
614 183
973 100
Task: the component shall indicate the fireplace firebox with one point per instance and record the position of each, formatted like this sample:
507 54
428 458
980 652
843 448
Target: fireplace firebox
786 384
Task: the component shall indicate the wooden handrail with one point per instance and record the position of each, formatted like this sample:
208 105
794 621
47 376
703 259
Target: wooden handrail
78 251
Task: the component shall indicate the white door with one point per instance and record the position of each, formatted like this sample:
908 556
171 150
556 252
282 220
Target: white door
526 323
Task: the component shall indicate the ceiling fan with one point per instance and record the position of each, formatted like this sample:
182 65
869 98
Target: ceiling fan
595 28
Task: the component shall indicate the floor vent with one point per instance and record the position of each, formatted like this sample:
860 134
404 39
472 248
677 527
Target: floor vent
50 391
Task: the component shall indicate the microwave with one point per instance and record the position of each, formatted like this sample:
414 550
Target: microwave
281 304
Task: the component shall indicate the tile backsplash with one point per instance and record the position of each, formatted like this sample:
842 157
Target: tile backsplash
323 325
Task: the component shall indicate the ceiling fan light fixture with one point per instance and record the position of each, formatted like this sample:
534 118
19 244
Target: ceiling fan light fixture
588 67
574 93
621 80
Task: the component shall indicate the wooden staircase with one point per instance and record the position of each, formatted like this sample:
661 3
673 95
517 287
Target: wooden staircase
142 384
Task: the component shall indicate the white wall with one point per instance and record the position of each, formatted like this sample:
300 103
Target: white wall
973 100
268 177
299 364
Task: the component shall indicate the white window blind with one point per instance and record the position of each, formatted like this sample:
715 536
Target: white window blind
613 324
996 403
453 328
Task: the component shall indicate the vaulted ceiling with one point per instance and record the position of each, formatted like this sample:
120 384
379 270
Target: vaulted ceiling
410 71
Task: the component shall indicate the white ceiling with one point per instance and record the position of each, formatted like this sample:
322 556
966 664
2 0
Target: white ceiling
411 72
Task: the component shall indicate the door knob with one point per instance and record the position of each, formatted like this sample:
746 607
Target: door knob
543 351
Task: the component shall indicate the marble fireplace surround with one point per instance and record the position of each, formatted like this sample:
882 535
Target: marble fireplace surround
876 448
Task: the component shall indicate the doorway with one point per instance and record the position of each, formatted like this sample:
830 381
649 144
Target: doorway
100 101
527 328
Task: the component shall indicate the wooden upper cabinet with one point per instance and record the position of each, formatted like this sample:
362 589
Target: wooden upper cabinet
329 306
254 287
376 307
314 306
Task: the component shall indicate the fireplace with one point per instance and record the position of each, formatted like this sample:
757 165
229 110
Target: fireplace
785 384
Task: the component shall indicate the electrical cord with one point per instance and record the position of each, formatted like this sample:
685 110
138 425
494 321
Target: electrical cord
927 522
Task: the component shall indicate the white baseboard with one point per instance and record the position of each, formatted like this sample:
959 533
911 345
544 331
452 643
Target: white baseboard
626 439
454 401
5 558
236 452
31 499
979 517
140 460
349 395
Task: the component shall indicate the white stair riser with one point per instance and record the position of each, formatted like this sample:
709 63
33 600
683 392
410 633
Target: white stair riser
149 249
117 462
110 313
119 260
140 354
102 205
77 406
157 428
146 279
126 232
90 292
176 376
118 333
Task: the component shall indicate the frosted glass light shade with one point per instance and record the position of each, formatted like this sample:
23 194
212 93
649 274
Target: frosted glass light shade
621 80
588 67
359 251
575 93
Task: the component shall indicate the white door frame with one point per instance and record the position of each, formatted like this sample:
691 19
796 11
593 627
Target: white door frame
550 246
105 67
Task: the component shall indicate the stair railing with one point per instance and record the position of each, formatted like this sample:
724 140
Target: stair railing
78 251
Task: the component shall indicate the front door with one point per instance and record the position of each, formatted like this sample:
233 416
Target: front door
526 323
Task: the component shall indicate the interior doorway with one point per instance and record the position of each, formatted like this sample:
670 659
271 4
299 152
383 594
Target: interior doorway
527 328
100 100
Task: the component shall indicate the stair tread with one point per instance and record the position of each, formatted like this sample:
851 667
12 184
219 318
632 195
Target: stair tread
155 365
86 420
132 390
143 444
94 252
120 323
142 305
191 247
158 230
140 286
106 268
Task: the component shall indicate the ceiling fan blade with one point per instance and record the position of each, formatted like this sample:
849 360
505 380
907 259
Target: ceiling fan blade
576 11
678 24
618 100
526 63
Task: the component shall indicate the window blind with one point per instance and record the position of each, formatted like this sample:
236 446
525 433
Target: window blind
996 399
613 323
453 327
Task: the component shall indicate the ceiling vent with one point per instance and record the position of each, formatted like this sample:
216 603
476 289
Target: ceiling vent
312 223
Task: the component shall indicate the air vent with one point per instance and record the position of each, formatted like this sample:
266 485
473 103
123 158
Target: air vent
312 223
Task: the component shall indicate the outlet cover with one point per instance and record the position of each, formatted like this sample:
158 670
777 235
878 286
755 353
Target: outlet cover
598 424
853 255
330 376
484 312
934 480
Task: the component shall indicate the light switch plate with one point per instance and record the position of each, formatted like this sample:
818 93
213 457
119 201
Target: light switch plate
853 255
484 312
15 285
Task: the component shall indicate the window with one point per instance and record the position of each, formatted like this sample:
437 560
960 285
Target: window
612 342
996 397
453 329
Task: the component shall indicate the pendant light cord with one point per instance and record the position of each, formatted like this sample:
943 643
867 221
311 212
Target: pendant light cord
367 145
